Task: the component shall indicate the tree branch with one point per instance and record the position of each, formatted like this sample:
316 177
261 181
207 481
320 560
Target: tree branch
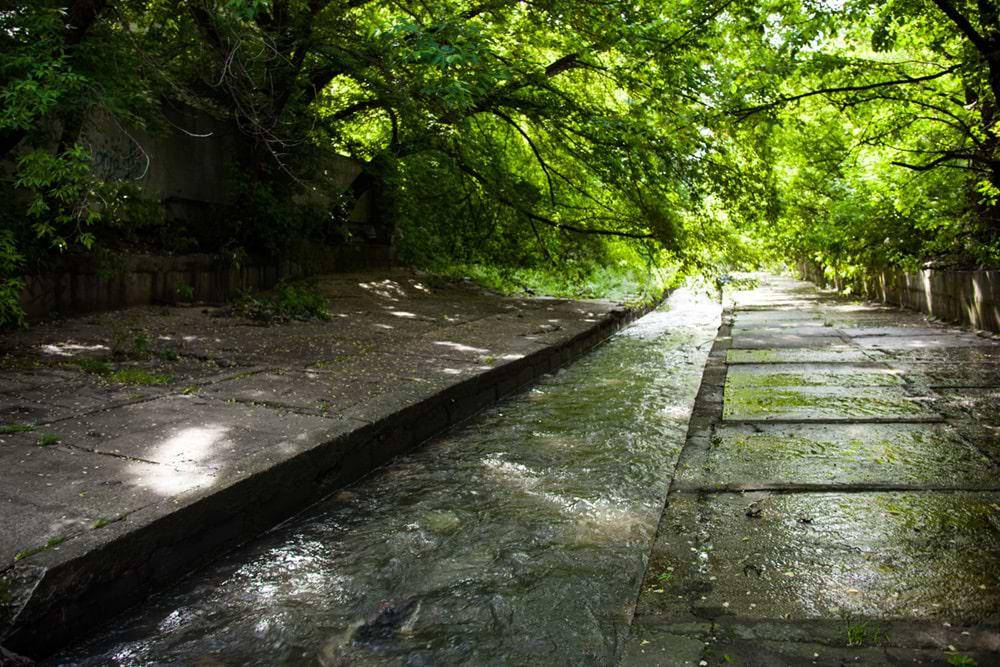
981 43
568 227
749 111
534 149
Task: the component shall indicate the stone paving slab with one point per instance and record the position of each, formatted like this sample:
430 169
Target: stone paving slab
193 432
982 405
810 355
776 317
827 403
817 555
788 341
828 455
67 491
812 375
792 328
930 342
182 431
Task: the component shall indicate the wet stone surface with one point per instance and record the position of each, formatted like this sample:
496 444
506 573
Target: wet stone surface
805 355
817 555
865 529
842 454
824 403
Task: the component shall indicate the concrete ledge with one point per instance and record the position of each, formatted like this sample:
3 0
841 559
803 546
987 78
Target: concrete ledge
57 595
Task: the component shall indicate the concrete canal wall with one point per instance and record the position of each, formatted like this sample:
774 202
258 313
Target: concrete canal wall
971 298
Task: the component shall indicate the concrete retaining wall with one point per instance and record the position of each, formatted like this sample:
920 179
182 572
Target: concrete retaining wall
966 297
82 284
187 168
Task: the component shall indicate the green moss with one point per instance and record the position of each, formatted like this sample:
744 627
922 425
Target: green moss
51 544
8 429
48 440
103 521
750 403
737 378
137 376
190 389
92 365
866 634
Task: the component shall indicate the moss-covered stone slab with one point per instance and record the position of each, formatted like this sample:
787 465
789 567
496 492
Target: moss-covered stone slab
795 328
927 342
812 375
917 455
824 403
745 315
810 355
789 340
876 555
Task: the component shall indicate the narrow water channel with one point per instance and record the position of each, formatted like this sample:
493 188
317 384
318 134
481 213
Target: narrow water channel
518 539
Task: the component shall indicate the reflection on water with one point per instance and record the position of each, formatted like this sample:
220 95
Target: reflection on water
517 539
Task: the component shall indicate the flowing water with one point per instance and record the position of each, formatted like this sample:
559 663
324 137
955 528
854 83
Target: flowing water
520 538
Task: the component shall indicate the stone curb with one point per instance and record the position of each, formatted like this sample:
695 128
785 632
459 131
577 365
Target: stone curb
61 595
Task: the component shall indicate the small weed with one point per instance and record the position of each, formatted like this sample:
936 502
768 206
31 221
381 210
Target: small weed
288 301
48 440
167 354
190 389
140 345
185 292
137 376
664 577
860 634
129 342
27 553
961 661
489 360
103 521
8 429
92 365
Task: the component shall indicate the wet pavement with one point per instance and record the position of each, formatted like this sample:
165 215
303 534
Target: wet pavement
838 499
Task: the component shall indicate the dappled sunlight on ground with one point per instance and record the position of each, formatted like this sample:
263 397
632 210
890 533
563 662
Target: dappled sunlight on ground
190 446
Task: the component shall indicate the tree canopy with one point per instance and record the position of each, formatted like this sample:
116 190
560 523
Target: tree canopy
544 133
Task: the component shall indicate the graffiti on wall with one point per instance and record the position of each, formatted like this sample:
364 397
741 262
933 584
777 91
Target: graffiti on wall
116 156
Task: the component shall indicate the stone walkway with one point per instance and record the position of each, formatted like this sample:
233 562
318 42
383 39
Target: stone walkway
134 445
838 499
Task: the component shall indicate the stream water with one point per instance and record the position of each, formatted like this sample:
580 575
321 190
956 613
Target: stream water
520 538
